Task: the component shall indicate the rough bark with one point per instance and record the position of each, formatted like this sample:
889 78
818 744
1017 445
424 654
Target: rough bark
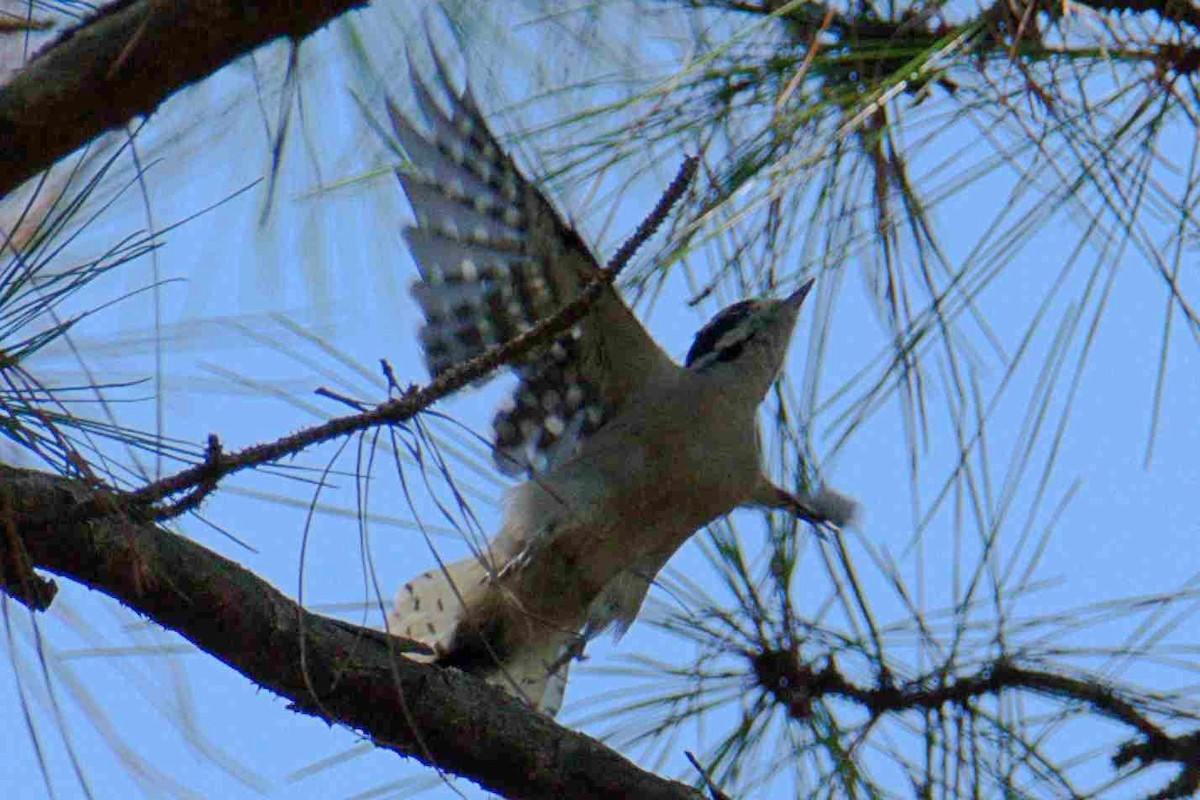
327 668
125 61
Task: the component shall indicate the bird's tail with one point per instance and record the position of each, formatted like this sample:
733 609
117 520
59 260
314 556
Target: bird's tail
428 608
431 609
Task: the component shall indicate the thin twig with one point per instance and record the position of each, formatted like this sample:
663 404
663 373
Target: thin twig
413 400
711 785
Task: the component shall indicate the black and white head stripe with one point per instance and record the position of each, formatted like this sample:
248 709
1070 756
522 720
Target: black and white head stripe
723 338
726 335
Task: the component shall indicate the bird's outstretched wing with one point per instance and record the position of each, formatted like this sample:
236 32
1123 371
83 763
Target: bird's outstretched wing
494 259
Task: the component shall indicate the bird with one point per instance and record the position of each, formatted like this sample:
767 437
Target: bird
625 453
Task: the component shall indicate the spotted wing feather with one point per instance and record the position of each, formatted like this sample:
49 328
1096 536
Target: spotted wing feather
495 259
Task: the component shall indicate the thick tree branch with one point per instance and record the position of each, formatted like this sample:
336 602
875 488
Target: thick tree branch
125 62
327 668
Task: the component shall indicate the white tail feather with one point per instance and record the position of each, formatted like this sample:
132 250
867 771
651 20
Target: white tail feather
428 609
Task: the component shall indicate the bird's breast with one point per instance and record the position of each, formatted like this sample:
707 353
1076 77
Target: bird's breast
665 467
638 488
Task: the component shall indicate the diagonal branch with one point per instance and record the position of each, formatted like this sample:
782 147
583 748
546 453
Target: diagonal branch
327 668
125 61
218 465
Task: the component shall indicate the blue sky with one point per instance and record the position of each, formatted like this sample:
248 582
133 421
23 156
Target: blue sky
330 262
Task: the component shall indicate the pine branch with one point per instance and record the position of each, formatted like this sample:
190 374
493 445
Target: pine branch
327 668
125 61
797 685
197 481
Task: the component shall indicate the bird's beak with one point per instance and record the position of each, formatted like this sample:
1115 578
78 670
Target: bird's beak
797 297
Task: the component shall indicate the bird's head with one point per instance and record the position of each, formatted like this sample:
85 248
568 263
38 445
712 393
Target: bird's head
748 340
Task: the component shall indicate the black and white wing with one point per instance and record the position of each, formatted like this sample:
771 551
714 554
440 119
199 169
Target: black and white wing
494 259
